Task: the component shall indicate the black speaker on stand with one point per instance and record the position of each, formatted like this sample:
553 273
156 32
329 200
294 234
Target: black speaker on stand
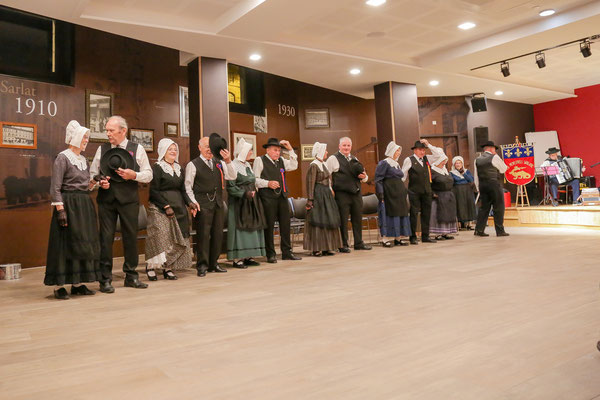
481 136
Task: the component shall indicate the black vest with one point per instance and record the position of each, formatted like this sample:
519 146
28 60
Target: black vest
125 192
345 180
208 184
419 178
486 172
272 172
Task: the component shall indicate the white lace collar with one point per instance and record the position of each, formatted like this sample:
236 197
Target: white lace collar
240 167
393 163
78 161
165 166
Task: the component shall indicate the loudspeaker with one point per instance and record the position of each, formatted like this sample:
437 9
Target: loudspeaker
481 136
479 104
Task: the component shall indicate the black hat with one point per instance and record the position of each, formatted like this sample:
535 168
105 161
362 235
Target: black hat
114 159
552 150
356 167
272 142
216 143
418 145
489 143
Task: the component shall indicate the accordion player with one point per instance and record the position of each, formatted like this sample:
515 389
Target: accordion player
569 172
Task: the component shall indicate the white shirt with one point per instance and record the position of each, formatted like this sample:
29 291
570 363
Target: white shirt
333 165
145 173
496 162
288 165
229 174
407 164
437 153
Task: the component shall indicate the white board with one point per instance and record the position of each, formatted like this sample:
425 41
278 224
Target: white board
542 141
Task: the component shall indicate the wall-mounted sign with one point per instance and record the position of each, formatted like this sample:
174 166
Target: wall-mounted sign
286 111
143 137
306 152
17 135
316 118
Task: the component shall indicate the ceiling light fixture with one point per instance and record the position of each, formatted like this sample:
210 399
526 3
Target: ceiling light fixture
585 49
504 68
545 13
540 60
355 71
255 57
434 83
467 25
375 3
498 92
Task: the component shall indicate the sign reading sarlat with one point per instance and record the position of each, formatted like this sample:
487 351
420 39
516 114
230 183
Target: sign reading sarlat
21 89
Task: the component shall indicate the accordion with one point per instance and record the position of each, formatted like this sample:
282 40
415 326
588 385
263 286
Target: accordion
570 169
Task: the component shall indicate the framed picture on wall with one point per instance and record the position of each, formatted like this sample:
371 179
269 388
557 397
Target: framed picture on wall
98 109
18 136
145 137
171 129
184 112
316 118
306 152
260 123
248 137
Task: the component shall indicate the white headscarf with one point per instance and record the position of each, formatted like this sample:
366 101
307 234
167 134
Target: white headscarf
242 148
163 146
390 150
75 133
454 170
318 152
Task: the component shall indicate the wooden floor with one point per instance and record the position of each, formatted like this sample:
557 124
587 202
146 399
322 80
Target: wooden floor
475 318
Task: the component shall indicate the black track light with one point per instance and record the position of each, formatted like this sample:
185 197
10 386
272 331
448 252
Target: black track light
540 60
585 49
504 69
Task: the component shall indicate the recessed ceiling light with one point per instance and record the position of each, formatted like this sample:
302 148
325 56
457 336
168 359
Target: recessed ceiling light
498 92
434 83
375 3
355 71
255 57
467 25
545 13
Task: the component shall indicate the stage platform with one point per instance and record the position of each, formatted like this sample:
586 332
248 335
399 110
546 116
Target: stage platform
581 217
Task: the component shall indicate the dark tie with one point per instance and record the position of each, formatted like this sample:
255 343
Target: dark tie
210 165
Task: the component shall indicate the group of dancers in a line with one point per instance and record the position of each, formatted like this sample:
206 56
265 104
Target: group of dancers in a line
81 240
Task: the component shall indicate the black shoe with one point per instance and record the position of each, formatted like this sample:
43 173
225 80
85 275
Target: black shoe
344 250
502 234
291 256
168 274
201 268
106 287
413 240
82 290
151 273
272 260
239 264
401 242
317 254
554 203
387 244
483 234
439 238
201 272
135 283
251 262
362 246
217 268
470 228
428 240
328 253
448 237
61 294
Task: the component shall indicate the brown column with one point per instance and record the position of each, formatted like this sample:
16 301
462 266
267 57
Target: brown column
397 114
208 102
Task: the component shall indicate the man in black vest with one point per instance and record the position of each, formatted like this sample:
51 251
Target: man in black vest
347 174
121 200
487 168
418 171
204 183
272 188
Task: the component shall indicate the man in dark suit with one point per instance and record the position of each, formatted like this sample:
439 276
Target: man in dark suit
204 183
121 200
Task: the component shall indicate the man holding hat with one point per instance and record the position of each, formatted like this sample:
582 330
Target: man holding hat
126 163
205 178
347 174
418 171
486 175
555 180
270 170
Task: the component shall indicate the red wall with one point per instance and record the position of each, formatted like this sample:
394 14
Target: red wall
577 121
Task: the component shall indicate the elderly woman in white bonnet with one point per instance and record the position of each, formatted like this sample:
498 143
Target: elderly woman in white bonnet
168 244
245 215
443 208
393 209
464 191
73 245
322 227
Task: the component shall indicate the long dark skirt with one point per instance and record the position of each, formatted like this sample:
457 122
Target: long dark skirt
74 251
443 214
465 203
322 226
392 226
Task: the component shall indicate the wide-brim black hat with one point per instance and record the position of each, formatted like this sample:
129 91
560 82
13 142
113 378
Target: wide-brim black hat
216 143
357 168
552 150
418 145
114 159
272 142
489 143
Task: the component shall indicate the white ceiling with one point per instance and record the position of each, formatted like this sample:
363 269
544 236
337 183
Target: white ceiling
319 41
